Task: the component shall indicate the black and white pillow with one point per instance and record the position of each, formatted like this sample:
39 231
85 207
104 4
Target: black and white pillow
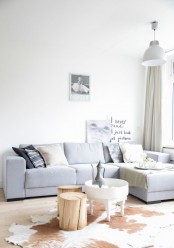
115 152
22 153
35 158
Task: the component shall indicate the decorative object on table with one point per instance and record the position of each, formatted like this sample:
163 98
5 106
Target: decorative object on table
154 55
99 179
148 163
153 165
98 131
79 87
143 226
149 166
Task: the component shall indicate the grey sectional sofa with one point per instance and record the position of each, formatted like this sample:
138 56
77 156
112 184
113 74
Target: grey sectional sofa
19 182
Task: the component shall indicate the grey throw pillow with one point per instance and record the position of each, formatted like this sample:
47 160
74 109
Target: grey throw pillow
115 152
106 152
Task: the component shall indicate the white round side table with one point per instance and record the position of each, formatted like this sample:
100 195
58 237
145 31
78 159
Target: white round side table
114 191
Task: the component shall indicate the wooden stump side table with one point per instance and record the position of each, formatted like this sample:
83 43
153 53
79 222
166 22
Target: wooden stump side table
66 188
72 211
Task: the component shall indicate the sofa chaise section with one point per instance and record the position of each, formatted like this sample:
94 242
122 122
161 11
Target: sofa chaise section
160 187
149 185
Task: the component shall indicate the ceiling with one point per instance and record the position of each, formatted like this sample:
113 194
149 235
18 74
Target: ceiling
102 26
127 24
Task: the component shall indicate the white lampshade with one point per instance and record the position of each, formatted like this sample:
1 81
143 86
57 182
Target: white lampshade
154 55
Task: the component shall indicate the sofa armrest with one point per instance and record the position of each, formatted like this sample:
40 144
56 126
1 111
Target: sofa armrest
14 168
159 156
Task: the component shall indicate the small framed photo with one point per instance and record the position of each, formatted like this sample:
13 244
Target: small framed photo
79 87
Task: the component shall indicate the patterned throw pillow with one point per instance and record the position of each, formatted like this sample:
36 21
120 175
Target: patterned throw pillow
22 153
35 158
115 152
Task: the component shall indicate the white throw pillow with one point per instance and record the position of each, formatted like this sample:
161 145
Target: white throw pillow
132 152
53 155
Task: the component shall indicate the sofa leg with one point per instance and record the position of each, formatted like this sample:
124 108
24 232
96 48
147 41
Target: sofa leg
153 202
15 199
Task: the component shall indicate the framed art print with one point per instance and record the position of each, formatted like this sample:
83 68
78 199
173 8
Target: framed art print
79 87
98 131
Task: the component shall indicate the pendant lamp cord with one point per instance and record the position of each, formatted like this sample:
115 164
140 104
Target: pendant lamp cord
154 27
154 33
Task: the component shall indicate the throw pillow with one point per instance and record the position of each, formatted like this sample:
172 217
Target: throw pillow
53 155
115 152
132 152
36 158
22 153
106 153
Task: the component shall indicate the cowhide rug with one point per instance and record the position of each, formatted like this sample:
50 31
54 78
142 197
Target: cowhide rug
138 228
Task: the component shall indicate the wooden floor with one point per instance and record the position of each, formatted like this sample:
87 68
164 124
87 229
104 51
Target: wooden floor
20 211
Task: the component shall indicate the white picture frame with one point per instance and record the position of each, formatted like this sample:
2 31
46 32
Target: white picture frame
79 87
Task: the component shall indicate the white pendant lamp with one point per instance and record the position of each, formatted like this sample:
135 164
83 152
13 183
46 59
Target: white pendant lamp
154 55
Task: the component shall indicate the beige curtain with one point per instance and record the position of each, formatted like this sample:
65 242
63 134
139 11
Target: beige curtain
152 119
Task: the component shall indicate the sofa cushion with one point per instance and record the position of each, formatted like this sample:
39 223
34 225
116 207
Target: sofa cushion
50 177
115 152
22 153
53 155
84 153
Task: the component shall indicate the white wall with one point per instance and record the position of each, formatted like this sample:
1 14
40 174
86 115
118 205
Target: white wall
41 42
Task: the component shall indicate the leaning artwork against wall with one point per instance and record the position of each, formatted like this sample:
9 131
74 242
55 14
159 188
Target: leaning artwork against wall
120 130
79 87
98 131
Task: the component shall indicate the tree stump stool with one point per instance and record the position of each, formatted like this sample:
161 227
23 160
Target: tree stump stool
66 188
72 211
69 188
